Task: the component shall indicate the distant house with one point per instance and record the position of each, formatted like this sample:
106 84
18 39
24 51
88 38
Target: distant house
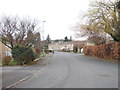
78 46
4 51
75 46
61 45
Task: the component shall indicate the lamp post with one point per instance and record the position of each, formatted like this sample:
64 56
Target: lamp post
43 39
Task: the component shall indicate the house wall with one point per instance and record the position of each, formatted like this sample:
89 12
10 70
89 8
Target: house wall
4 51
61 45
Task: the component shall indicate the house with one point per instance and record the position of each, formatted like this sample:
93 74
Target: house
75 46
4 51
78 46
61 45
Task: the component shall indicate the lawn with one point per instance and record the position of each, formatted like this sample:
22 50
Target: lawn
43 54
0 63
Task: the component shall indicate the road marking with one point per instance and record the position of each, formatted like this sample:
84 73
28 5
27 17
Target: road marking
10 86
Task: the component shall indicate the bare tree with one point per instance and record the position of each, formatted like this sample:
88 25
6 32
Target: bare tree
38 46
102 17
14 30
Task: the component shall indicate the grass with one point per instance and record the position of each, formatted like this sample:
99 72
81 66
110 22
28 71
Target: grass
13 62
43 54
34 62
79 52
0 63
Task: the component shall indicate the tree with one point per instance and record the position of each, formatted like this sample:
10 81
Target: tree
103 18
38 43
118 8
30 39
97 39
14 30
48 39
58 40
66 39
70 38
118 4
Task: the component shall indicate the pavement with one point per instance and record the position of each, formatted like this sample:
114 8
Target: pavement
13 75
69 70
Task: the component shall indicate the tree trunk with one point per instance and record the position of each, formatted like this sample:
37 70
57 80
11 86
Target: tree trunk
116 38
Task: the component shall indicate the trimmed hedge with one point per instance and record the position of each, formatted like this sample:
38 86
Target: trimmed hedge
109 51
6 60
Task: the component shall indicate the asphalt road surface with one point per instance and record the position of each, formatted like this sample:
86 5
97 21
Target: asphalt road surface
68 70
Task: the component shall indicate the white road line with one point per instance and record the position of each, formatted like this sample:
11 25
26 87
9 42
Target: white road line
10 86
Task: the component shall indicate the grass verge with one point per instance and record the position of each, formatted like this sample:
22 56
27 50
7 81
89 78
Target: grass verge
0 63
13 62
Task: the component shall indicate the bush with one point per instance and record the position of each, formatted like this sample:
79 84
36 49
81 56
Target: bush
37 51
6 60
48 51
23 54
65 50
110 51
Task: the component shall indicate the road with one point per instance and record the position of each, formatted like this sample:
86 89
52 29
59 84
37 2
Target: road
68 70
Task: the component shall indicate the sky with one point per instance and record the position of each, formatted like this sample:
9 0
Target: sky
60 15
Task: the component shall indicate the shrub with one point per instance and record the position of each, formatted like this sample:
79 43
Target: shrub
37 51
23 54
48 51
111 50
65 50
6 60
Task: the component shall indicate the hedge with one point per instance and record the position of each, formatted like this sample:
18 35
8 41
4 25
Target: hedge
109 51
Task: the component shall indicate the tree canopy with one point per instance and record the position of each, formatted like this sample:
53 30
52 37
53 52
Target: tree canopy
16 30
102 17
48 39
66 39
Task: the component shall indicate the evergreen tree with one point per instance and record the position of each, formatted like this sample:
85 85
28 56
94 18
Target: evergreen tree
66 39
48 39
70 38
118 4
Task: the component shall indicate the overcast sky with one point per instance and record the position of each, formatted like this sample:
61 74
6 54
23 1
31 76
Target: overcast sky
60 15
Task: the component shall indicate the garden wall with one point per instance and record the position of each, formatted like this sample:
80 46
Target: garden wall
110 50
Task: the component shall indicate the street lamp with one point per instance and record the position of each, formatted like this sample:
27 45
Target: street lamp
43 39
43 29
